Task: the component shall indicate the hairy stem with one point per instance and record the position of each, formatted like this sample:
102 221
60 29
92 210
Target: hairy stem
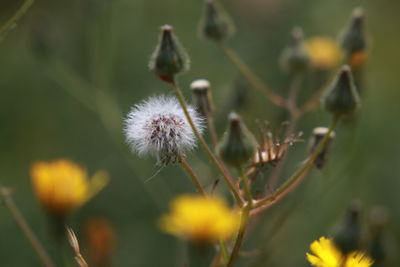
23 225
192 175
240 235
223 171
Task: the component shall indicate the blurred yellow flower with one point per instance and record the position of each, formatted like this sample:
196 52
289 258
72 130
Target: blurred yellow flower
201 219
324 52
62 185
325 254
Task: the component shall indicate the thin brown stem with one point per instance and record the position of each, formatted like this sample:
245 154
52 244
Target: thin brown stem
25 228
255 81
297 177
220 167
240 235
192 175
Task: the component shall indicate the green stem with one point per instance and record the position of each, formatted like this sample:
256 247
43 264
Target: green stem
288 185
246 185
228 179
224 252
240 236
10 24
192 175
23 225
254 80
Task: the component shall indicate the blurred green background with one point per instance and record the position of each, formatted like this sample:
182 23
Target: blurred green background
64 58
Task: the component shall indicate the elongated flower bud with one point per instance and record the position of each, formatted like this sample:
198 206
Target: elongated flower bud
216 25
295 58
347 236
317 135
238 144
377 244
342 97
169 57
202 96
354 39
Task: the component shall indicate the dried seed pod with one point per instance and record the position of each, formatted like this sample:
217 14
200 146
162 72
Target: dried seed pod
317 135
201 95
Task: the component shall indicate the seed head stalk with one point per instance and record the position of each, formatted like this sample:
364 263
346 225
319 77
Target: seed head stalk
228 179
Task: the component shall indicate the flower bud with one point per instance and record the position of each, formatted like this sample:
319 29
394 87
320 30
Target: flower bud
342 97
169 57
238 144
377 243
216 25
317 135
202 96
295 58
347 235
354 39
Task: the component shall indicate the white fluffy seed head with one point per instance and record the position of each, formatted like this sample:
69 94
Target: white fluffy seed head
158 126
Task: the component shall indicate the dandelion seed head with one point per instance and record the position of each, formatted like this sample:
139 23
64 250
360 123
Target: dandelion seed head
158 127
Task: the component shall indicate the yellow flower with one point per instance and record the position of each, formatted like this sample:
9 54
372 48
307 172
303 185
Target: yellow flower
325 254
200 219
324 52
62 185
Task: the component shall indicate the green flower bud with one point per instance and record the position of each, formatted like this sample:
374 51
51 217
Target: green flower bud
169 57
348 233
342 97
238 144
377 244
216 24
317 135
354 38
295 58
202 96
